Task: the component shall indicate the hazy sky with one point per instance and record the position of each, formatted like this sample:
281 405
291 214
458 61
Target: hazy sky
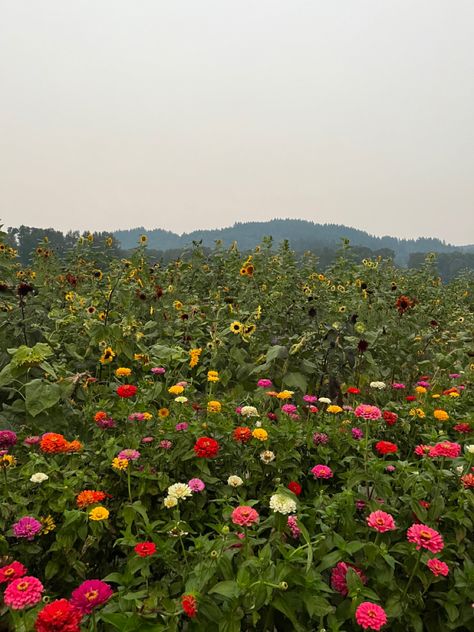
198 113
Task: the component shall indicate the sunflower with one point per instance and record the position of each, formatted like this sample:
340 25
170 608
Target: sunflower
143 239
163 413
249 329
108 356
236 327
109 241
243 271
102 316
97 274
342 309
249 270
91 309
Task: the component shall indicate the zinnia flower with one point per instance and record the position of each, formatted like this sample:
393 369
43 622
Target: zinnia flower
129 455
189 605
197 485
89 497
292 523
242 434
281 503
366 411
295 487
260 433
123 372
370 616
244 516
389 417
8 439
440 415
338 577
322 471
180 490
425 537
214 406
126 390
90 594
264 383
58 616
386 447
267 456
206 447
27 527
12 571
235 481
437 567
445 449
39 477
320 438
145 549
99 513
23 592
381 521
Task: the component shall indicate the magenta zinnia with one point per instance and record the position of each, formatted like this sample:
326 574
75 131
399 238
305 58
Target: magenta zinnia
91 594
23 592
321 471
437 567
370 616
425 537
338 577
27 527
381 521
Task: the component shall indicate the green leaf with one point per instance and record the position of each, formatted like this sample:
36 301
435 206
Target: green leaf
297 380
40 396
228 589
317 606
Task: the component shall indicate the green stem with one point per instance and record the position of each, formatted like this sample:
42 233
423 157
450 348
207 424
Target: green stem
129 484
415 568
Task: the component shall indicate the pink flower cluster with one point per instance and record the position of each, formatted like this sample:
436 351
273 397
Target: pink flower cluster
338 577
366 411
292 523
322 471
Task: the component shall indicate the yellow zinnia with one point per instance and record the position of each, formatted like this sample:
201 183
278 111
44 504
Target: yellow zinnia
212 376
123 372
214 407
99 513
441 415
285 394
260 433
177 389
119 464
334 409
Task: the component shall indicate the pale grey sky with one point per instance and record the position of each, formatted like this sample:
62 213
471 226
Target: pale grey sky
198 113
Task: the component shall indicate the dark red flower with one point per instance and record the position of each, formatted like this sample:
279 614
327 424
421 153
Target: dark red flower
58 616
463 428
403 303
390 418
362 346
295 487
410 398
145 549
338 577
272 416
189 605
206 447
386 447
126 390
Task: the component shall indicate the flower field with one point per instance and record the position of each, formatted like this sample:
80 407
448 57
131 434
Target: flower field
234 442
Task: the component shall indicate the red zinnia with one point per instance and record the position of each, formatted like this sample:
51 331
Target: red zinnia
353 390
386 447
12 571
145 549
206 447
410 398
58 616
464 428
389 417
89 497
189 605
126 390
242 434
295 487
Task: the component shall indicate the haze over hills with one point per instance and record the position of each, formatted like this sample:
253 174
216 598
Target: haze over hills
301 234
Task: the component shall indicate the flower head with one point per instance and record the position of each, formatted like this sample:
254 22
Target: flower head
322 471
242 434
206 447
27 527
196 484
244 516
338 577
126 391
180 490
23 592
234 481
59 616
8 439
90 594
89 497
214 406
12 571
366 411
260 433
425 537
386 447
99 513
281 503
370 616
437 567
189 605
381 521
145 549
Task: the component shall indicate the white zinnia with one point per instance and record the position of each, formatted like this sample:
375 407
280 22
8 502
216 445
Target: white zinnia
179 490
181 399
282 503
39 477
235 481
470 448
170 502
267 456
249 411
379 385
324 400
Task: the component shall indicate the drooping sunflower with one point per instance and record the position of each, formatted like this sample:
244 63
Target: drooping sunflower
97 274
108 356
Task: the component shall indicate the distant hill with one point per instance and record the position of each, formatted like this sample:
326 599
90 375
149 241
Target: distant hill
301 234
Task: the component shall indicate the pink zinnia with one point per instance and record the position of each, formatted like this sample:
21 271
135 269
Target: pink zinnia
425 537
8 438
196 485
370 616
158 370
422 449
90 594
292 523
446 449
244 516
398 385
12 571
23 592
310 399
33 440
27 527
338 577
381 521
264 383
322 471
289 409
437 567
366 411
181 427
129 454
166 444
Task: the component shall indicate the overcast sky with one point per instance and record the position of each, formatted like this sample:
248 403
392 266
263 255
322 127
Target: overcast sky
187 114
